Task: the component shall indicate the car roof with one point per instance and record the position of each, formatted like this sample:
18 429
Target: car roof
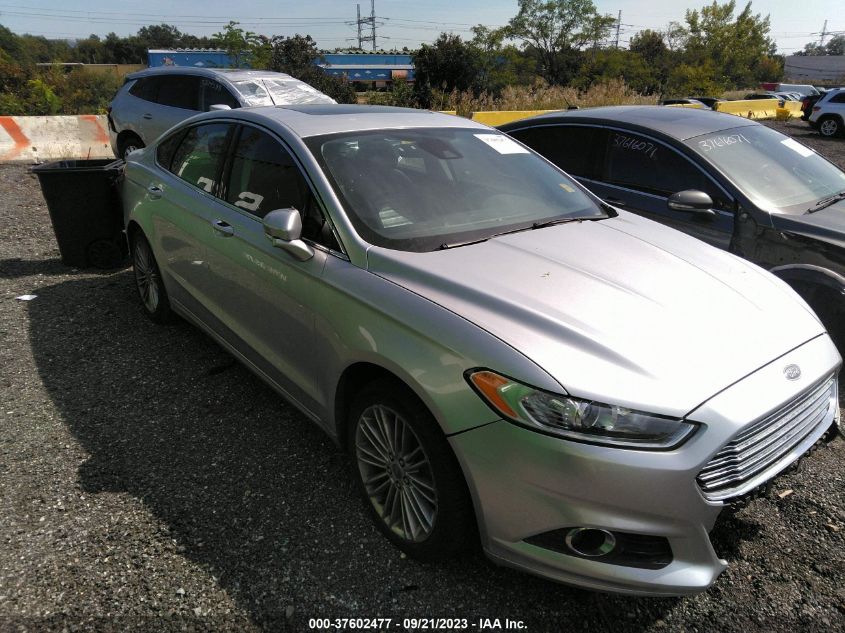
316 120
230 74
677 123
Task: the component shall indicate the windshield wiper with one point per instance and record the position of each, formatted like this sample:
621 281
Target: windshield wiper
826 202
530 227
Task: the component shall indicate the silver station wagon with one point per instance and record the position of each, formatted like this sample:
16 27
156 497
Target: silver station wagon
503 355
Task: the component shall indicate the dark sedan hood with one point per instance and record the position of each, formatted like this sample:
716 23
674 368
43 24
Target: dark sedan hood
826 225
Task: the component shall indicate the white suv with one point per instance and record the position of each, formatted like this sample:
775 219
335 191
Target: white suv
828 115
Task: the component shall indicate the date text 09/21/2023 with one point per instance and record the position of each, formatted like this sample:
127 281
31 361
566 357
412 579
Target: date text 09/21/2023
417 624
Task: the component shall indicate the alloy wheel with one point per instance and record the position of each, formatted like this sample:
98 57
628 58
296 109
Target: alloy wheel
396 473
146 276
829 127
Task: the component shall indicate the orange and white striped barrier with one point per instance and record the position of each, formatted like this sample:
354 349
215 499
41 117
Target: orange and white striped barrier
34 139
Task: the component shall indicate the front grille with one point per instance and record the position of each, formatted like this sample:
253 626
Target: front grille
767 447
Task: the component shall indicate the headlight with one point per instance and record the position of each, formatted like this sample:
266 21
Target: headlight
575 419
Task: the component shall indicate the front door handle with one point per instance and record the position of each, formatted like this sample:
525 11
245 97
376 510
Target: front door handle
616 202
224 228
154 191
147 116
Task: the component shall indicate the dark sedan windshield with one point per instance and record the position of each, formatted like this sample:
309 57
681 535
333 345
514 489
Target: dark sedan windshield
423 189
776 172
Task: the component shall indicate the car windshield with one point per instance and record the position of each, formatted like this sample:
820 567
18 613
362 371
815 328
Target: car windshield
279 91
776 172
424 189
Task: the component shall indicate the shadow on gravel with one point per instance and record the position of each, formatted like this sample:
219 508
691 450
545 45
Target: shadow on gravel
250 490
17 267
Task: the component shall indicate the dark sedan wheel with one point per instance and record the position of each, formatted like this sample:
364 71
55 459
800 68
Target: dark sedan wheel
148 280
829 126
407 473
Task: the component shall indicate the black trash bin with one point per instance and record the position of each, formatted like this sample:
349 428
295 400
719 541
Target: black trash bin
85 210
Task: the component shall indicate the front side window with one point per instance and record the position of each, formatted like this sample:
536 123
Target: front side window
643 164
264 177
777 173
423 189
199 157
214 93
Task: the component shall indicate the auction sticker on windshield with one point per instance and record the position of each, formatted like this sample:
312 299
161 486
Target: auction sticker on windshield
501 143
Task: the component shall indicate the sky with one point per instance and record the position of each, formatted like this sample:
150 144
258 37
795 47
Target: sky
332 22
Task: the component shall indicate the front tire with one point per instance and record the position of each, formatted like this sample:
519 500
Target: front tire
148 280
407 474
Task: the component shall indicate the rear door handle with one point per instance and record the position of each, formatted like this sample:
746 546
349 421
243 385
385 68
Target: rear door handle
154 192
147 116
224 228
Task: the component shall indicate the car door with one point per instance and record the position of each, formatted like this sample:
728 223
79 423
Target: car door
263 295
181 197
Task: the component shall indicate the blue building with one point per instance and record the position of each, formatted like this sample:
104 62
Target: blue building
375 70
199 57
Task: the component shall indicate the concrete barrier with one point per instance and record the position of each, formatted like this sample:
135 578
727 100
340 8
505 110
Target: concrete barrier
35 139
505 116
759 108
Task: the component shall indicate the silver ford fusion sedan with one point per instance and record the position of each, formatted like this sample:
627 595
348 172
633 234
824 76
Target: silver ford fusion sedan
504 356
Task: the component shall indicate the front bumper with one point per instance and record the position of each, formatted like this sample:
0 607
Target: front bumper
526 484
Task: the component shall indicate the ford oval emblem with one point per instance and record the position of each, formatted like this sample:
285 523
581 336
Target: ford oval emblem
792 372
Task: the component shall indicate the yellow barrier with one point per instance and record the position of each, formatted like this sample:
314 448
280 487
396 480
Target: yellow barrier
505 116
759 108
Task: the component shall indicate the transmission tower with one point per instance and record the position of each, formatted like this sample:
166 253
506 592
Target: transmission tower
618 27
363 22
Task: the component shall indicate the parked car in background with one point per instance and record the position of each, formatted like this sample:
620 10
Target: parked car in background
807 103
710 102
152 101
689 103
828 115
788 96
729 181
500 352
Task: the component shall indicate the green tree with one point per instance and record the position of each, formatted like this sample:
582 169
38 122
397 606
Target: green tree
556 30
447 64
736 45
297 56
244 47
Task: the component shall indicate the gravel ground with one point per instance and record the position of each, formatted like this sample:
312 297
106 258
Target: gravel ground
148 482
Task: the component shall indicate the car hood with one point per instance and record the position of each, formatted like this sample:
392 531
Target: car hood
621 310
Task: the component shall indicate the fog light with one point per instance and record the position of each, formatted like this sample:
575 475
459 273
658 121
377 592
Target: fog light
590 542
605 546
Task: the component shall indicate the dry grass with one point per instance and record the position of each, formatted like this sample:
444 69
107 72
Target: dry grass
542 97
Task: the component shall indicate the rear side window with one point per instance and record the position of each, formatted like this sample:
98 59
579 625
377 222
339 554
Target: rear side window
264 177
214 93
840 98
144 88
578 150
179 91
199 157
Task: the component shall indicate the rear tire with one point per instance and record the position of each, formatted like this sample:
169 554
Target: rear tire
407 473
148 280
128 143
830 126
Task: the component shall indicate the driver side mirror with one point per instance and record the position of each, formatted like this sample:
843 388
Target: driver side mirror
219 106
283 227
691 201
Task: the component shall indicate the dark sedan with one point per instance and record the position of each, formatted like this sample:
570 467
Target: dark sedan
727 180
